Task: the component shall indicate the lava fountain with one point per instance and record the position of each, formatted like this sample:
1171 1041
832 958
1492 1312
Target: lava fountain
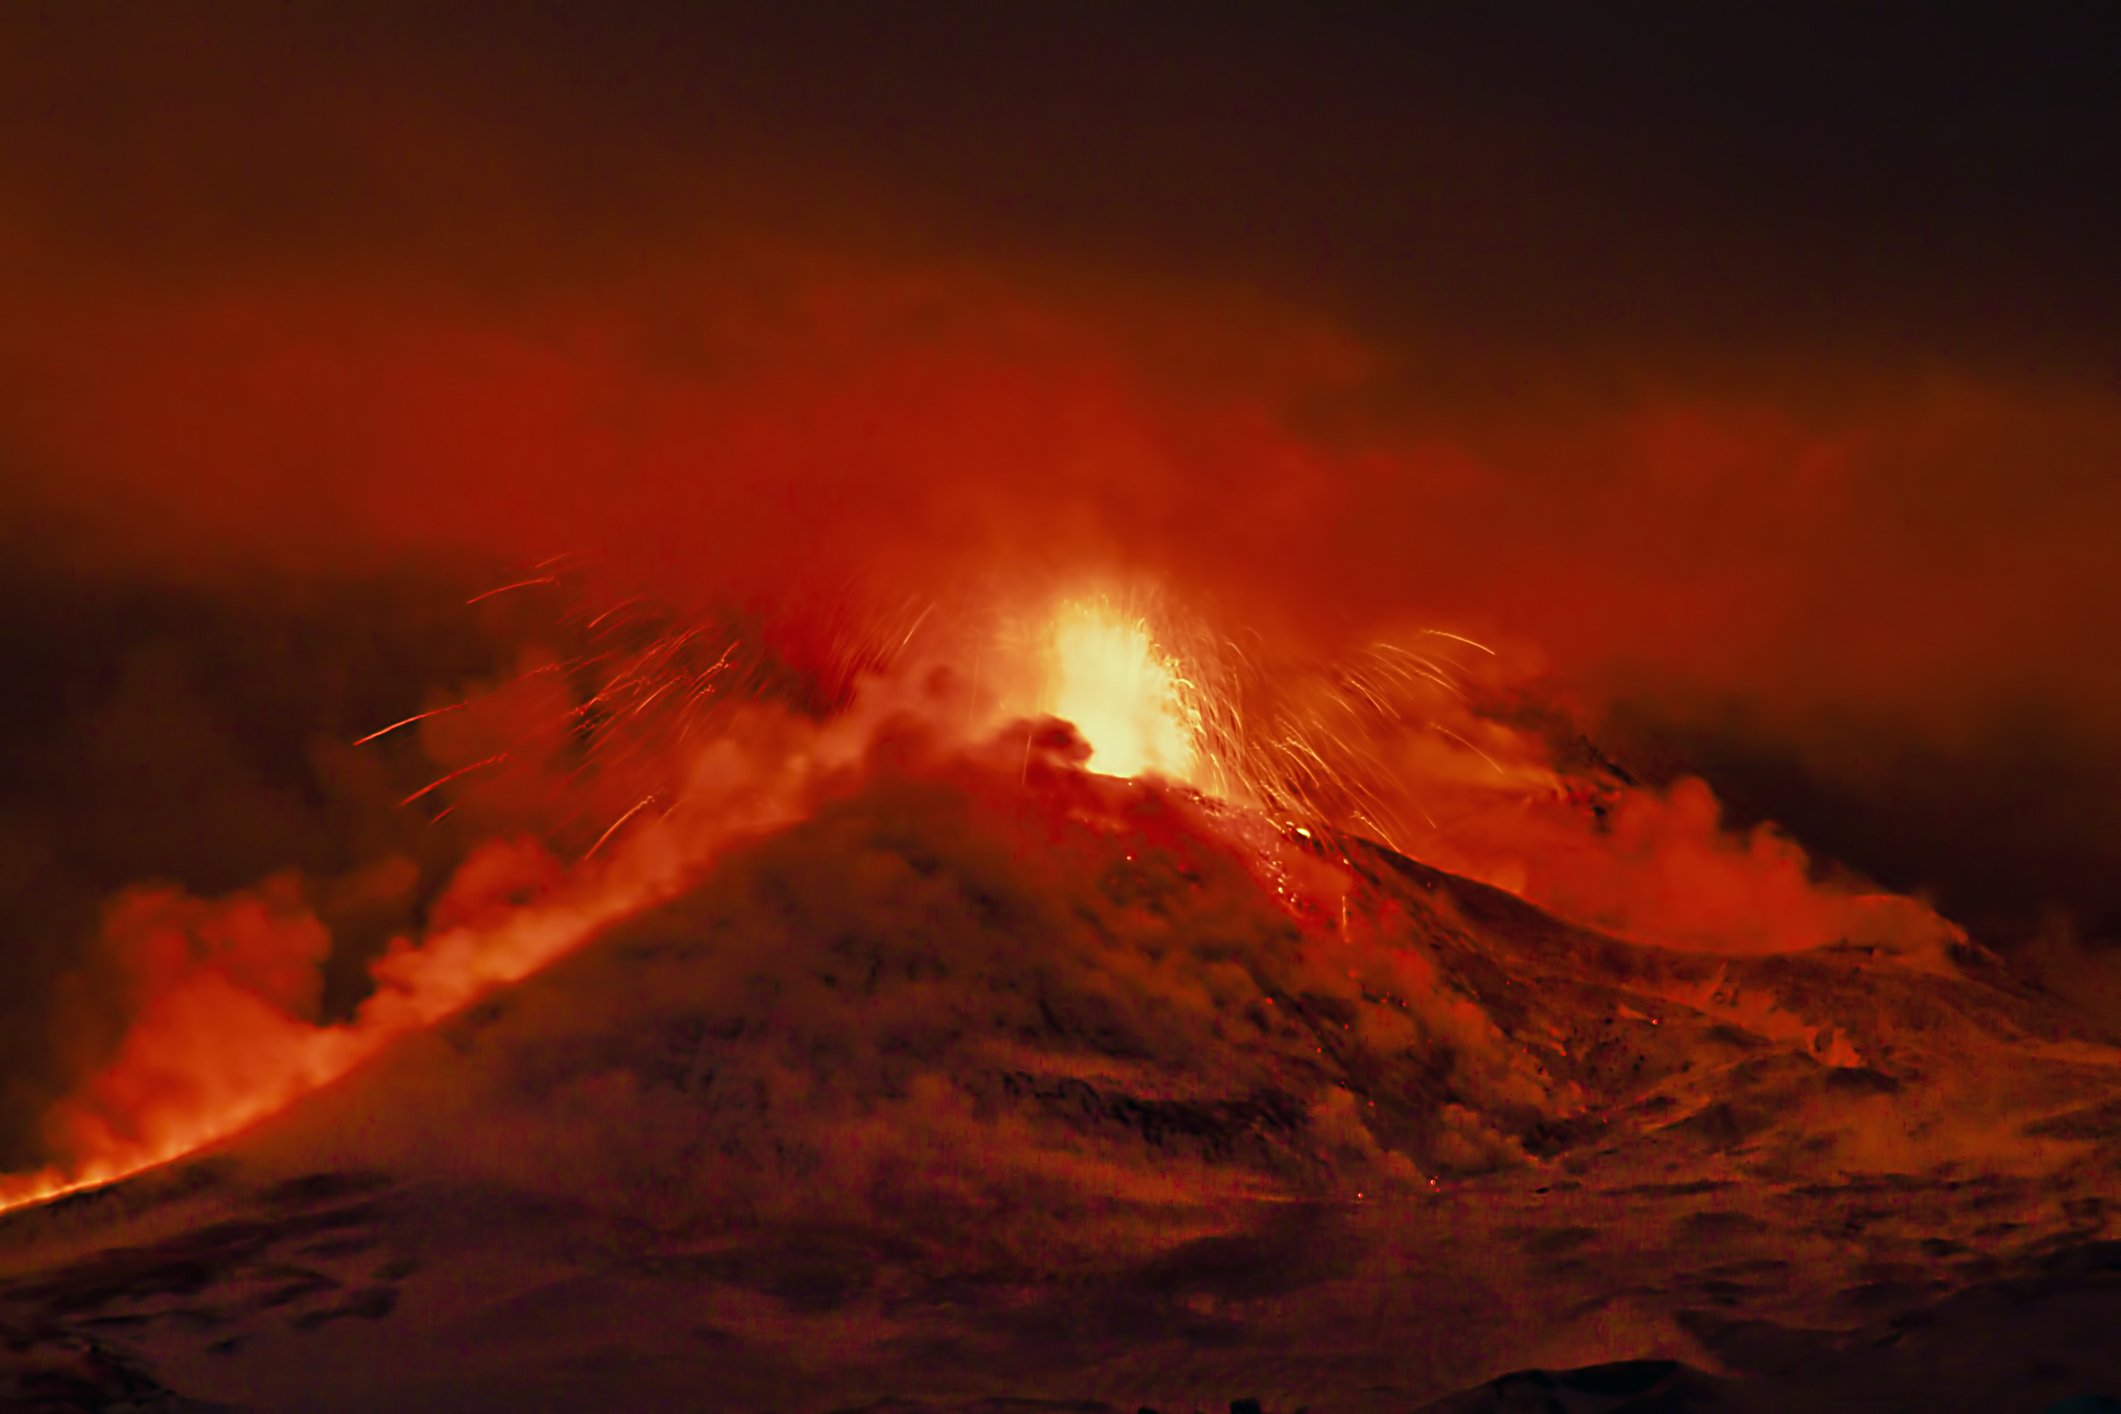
1124 694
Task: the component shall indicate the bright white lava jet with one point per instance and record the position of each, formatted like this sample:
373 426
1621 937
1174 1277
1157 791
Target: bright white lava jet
1106 675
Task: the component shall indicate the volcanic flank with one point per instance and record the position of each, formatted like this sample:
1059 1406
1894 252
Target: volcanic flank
993 1082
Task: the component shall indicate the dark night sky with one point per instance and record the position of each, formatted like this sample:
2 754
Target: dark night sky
1754 368
1523 188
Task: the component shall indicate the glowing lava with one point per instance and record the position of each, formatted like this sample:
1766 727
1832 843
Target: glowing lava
1107 675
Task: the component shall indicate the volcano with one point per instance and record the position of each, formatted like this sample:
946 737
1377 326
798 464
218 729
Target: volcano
964 707
993 1083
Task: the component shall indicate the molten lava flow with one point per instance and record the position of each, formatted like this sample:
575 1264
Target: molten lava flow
1109 678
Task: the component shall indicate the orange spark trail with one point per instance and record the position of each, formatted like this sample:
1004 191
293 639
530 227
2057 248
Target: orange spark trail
613 828
435 785
415 717
519 584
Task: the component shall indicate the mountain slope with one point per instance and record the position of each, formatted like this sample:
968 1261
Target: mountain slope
1020 1082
